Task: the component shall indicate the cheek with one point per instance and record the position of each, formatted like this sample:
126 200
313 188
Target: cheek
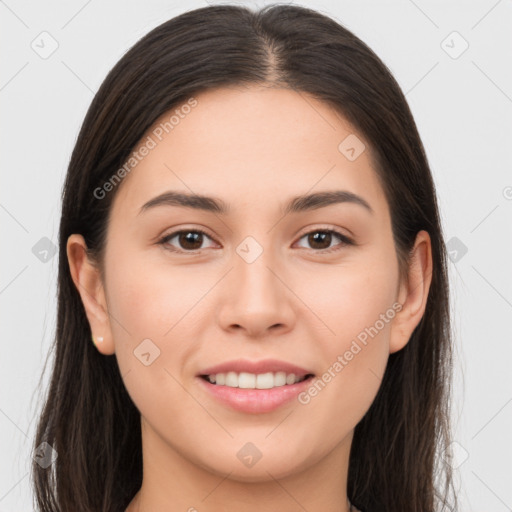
360 313
152 299
355 362
152 309
352 297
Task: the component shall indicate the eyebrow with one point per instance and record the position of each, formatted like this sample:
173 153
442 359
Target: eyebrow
295 205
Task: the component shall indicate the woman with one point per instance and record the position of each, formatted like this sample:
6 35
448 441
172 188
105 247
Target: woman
250 234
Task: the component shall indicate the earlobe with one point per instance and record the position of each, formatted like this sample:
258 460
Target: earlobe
414 294
87 279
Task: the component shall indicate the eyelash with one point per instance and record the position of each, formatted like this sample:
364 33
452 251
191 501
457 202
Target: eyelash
345 241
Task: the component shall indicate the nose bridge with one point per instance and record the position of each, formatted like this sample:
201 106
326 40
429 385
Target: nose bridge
257 284
257 298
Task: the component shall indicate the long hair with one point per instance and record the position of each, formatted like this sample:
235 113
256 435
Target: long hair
399 459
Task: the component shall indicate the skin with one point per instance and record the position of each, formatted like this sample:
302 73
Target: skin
255 148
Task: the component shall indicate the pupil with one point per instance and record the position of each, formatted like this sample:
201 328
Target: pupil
189 238
314 238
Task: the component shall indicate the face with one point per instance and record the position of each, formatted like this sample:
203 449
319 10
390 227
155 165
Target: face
308 283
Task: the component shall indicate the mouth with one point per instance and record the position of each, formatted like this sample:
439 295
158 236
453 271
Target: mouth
250 374
254 387
246 380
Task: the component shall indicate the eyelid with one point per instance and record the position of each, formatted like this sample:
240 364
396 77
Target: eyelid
326 227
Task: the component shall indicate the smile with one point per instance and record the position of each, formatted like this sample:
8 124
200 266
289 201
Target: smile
247 380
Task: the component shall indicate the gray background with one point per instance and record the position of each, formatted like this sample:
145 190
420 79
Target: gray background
462 103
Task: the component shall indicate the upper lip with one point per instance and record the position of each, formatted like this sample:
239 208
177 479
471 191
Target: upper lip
256 367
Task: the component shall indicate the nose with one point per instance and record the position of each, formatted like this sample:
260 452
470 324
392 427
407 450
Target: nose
257 298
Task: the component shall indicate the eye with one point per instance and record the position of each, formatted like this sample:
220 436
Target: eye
189 239
321 239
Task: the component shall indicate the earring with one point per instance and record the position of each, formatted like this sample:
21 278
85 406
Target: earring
99 338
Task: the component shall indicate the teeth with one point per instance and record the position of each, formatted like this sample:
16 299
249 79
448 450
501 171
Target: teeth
246 380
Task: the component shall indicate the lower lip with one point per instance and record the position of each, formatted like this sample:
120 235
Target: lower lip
255 401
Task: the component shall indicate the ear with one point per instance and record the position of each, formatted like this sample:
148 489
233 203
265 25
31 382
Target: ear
413 295
87 279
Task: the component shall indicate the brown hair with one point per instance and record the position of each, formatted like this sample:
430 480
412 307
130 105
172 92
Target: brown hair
88 417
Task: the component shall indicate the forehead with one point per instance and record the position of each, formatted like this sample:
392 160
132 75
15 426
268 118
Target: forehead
252 146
